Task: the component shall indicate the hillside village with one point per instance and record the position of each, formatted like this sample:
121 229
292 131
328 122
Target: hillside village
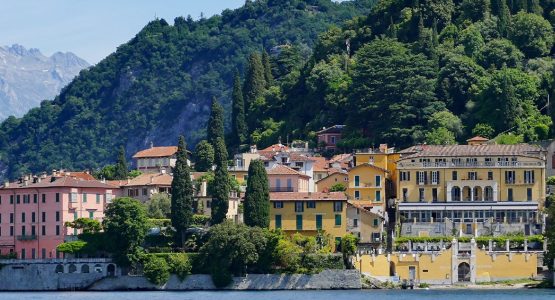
436 214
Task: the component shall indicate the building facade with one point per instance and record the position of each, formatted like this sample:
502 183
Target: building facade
154 159
329 137
475 189
33 212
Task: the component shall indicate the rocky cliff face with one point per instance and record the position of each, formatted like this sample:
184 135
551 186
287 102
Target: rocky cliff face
27 77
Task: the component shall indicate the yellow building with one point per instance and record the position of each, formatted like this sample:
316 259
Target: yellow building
367 183
449 265
476 189
334 178
309 213
367 223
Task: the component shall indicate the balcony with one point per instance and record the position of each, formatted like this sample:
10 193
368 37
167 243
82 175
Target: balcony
485 164
26 237
281 189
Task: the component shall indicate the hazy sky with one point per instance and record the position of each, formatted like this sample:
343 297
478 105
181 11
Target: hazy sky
91 29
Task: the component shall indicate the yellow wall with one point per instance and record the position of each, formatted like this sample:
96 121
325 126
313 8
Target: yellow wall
329 181
239 175
520 265
324 208
367 184
365 224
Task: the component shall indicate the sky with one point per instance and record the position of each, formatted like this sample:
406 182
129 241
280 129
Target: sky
92 29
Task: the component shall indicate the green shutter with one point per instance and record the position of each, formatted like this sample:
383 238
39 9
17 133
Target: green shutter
337 220
299 222
278 221
319 222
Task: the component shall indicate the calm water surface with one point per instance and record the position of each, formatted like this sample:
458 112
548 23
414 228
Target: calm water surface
465 294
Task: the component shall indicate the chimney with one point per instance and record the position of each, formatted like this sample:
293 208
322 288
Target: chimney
253 149
43 175
6 184
383 148
151 144
163 171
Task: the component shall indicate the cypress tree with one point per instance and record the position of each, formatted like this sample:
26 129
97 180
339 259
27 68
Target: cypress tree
504 15
204 156
253 87
215 128
220 187
182 194
268 77
257 196
238 124
121 171
534 7
435 38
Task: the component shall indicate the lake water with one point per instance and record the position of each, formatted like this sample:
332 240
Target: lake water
466 294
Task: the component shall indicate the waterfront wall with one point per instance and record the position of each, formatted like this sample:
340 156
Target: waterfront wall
328 279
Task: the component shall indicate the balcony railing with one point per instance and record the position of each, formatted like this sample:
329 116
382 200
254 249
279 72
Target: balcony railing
275 189
26 237
436 165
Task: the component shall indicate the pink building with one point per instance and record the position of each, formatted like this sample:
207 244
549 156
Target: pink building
33 211
330 136
284 179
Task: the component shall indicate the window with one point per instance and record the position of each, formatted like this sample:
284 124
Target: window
510 177
405 176
278 221
57 216
357 195
57 229
454 175
510 195
33 230
472 176
11 230
375 223
43 229
311 204
43 198
11 218
91 215
299 222
378 180
355 222
435 177
333 140
97 198
337 220
108 197
23 231
337 206
145 192
378 196
23 253
11 199
490 175
421 194
529 194
17 199
57 197
43 253
434 195
33 217
208 204
23 217
529 177
357 181
43 217
299 206
405 194
278 204
84 197
75 215
35 198
421 177
319 222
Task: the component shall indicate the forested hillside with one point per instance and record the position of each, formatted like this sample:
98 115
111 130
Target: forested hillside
434 71
160 84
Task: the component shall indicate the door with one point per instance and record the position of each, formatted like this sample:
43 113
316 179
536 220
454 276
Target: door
464 272
412 273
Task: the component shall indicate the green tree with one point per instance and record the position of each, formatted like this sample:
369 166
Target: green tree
338 187
156 270
440 136
447 120
121 169
182 194
472 40
498 53
159 206
180 265
215 123
483 130
257 196
239 131
268 77
532 34
125 224
504 17
349 245
475 10
204 156
220 187
86 225
253 87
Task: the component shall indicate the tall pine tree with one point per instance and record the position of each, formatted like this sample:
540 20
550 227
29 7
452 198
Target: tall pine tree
504 15
268 77
204 156
253 87
238 124
257 196
182 194
220 187
121 172
215 123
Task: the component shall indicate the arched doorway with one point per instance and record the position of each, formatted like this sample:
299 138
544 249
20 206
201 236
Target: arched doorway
464 272
59 269
456 194
85 269
111 270
466 193
488 193
478 193
72 268
391 268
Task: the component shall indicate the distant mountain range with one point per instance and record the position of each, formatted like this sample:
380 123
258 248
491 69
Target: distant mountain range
27 77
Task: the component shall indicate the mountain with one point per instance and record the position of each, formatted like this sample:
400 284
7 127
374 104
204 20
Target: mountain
27 77
160 84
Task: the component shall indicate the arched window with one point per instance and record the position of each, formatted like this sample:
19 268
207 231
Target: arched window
72 268
85 269
456 194
111 270
59 268
488 193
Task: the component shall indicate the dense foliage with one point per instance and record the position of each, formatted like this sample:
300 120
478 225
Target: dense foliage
160 84
182 194
257 196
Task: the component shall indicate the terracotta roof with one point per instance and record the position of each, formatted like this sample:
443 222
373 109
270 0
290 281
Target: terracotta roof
293 156
471 150
317 196
156 152
284 170
275 147
332 129
372 166
197 175
321 164
62 181
365 207
82 175
477 139
151 179
118 183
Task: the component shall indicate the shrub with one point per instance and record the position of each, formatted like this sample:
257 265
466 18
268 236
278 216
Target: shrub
200 220
156 270
551 180
179 265
221 277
